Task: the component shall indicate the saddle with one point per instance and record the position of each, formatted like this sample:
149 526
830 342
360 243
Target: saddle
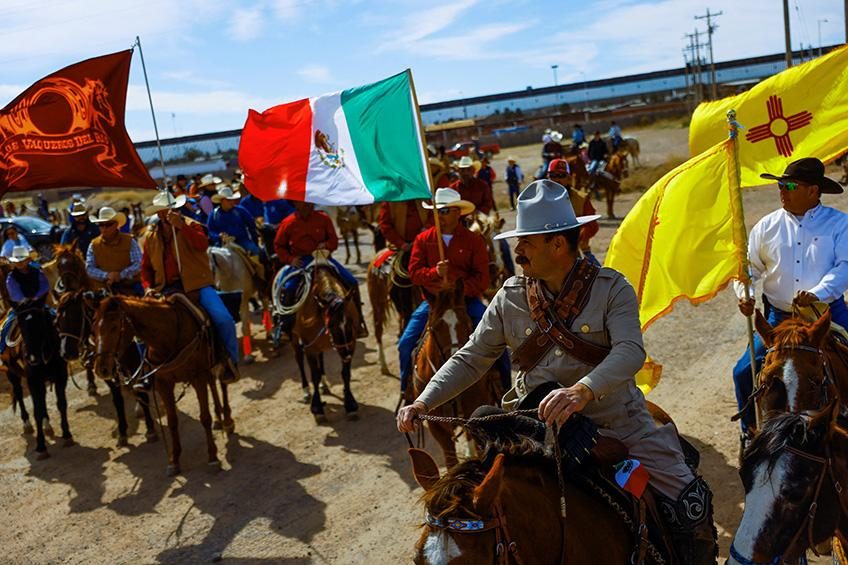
199 313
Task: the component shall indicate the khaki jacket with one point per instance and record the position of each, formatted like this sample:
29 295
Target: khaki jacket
195 272
610 318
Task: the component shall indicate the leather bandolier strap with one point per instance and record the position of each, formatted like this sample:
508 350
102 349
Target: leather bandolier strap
553 320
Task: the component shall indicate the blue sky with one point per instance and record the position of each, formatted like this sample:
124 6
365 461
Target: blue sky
211 60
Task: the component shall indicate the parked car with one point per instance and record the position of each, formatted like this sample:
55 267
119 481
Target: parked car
39 234
465 148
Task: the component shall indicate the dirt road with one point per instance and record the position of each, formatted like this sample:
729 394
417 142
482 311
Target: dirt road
294 492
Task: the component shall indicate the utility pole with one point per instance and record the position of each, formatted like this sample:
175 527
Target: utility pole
820 22
692 59
697 72
686 78
555 67
846 20
786 33
711 27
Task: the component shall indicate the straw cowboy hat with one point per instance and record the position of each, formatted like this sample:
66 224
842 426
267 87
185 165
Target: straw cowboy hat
78 209
19 254
556 136
225 193
106 215
544 207
810 171
449 198
164 200
511 159
465 163
209 180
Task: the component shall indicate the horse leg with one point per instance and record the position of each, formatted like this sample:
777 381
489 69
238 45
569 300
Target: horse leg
143 400
325 388
92 385
443 434
317 405
217 423
118 401
229 424
356 245
610 194
298 356
201 389
61 385
166 393
347 249
18 400
350 403
38 393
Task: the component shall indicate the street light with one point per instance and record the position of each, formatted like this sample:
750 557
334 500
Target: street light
464 105
555 67
823 20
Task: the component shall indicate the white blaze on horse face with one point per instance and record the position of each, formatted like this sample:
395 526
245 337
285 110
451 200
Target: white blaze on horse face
759 505
791 382
452 321
440 549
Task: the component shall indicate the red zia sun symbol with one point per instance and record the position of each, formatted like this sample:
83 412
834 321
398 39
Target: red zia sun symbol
779 126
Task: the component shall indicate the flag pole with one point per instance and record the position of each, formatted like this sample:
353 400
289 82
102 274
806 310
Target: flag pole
741 236
439 239
159 146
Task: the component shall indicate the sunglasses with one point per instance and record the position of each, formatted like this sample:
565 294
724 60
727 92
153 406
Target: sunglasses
788 185
445 211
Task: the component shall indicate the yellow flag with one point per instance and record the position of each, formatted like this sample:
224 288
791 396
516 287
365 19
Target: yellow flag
684 238
800 112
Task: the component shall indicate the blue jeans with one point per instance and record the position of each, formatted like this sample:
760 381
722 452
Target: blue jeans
742 379
594 166
225 328
418 323
250 246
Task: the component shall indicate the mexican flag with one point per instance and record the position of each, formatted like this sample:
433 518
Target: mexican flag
355 146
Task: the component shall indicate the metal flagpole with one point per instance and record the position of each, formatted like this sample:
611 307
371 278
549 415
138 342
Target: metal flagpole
742 244
159 146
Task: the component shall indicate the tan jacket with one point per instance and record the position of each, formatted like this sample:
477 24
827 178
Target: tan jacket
610 318
195 272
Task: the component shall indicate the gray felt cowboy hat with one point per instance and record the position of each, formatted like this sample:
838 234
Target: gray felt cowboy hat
544 207
808 170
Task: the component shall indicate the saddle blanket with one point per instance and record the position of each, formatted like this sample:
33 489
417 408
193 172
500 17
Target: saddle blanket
383 258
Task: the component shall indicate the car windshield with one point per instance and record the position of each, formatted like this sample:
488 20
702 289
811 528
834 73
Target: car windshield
30 225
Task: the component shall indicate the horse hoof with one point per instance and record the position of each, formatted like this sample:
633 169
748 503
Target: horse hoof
28 430
325 388
320 419
214 465
248 359
92 391
307 396
216 425
123 442
353 416
48 430
151 437
41 455
68 442
172 470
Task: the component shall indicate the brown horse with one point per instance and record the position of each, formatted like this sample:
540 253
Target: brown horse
509 512
489 227
180 348
350 220
327 319
448 328
389 287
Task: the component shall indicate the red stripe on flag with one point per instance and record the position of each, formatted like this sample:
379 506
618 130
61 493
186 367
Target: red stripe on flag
274 150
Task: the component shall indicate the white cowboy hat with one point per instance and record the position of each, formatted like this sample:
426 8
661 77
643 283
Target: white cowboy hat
544 207
511 159
449 198
106 215
225 193
78 209
19 254
465 162
164 200
209 180
556 136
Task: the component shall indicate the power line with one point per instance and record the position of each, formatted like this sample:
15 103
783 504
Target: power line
711 27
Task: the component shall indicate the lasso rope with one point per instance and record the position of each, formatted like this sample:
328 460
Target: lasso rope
279 288
398 272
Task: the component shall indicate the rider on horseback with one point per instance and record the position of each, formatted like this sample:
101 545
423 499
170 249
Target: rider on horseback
298 237
230 221
559 172
186 269
28 287
114 257
81 229
401 222
598 152
592 373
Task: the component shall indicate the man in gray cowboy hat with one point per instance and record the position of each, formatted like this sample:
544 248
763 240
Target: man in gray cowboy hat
800 253
583 362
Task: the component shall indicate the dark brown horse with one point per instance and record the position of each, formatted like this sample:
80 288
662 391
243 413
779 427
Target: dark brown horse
328 319
180 349
389 287
448 328
509 512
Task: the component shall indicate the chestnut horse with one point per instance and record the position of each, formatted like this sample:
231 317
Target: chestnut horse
389 287
488 227
509 512
448 328
794 474
327 319
180 349
350 219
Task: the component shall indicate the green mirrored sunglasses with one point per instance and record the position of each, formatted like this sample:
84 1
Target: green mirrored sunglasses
788 185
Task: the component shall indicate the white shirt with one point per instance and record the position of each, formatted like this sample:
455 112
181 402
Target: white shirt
791 254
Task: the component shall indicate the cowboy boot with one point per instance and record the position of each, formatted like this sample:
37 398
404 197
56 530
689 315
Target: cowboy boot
362 330
689 523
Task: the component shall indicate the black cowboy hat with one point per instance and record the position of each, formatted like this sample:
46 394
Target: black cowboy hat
808 170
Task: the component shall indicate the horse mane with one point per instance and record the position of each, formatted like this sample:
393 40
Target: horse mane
778 432
326 284
791 332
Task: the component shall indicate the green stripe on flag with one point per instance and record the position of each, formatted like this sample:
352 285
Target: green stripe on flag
383 128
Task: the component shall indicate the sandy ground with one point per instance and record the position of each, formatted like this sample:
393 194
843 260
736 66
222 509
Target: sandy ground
294 492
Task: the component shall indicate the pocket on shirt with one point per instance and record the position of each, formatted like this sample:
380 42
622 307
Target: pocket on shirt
821 251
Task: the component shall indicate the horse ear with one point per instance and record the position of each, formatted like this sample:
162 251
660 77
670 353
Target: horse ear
486 495
423 467
765 329
820 328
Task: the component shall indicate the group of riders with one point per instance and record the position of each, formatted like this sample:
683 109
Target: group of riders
571 325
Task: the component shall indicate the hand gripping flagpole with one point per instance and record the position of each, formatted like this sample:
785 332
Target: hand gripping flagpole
741 237
158 145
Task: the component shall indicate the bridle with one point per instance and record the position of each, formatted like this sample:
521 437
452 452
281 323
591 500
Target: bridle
827 382
505 546
85 321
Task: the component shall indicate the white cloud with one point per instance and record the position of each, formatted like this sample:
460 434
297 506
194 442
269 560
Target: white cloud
210 102
247 24
420 25
286 10
316 74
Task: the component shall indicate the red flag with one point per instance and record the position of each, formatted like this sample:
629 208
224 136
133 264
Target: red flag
67 129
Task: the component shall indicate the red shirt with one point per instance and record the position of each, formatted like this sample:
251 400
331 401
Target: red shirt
466 253
477 192
297 237
413 224
196 237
